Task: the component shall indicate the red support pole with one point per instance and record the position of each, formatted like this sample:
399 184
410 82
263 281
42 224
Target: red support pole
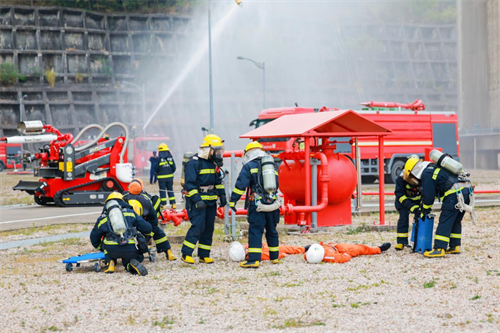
381 179
307 164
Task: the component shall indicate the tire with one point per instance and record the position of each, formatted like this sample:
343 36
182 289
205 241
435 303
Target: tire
368 179
97 267
69 267
396 169
2 166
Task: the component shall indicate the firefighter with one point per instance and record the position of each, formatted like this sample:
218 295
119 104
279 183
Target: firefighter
116 233
148 207
341 252
264 203
152 174
407 201
164 170
439 182
203 185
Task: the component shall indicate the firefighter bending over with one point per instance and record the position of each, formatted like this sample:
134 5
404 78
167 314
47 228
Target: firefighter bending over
444 180
148 207
260 177
407 201
203 185
164 170
116 232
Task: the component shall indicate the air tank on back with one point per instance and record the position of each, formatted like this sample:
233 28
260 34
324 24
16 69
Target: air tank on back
268 174
446 162
343 180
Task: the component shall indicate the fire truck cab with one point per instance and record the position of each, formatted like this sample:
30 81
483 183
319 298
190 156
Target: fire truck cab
414 130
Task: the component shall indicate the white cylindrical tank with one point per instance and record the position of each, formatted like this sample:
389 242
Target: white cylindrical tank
446 162
32 138
124 172
268 174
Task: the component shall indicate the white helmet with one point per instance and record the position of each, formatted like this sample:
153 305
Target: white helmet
315 254
236 251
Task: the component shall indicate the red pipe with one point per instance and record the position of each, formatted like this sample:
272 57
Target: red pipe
381 178
237 153
324 179
175 216
475 192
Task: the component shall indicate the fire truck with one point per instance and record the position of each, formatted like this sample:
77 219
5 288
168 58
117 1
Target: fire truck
414 130
141 149
10 156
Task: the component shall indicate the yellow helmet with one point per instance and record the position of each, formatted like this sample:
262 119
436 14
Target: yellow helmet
253 145
410 163
137 206
115 195
211 140
163 147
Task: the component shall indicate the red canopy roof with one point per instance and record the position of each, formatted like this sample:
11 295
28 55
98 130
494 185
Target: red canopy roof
322 124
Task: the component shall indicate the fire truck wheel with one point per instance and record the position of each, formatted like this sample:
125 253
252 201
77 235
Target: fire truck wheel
2 166
368 179
396 169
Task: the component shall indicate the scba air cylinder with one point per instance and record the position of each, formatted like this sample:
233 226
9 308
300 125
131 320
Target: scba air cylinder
268 174
446 162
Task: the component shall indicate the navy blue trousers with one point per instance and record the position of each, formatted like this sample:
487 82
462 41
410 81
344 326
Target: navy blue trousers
201 231
258 222
167 186
449 229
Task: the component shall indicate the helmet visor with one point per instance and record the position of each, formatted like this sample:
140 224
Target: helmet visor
253 154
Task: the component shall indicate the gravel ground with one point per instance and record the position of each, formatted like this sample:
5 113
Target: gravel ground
384 293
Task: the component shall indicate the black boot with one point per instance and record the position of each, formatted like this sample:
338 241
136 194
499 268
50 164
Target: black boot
385 247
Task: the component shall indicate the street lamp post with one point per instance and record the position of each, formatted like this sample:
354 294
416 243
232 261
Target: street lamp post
261 65
211 129
143 90
21 111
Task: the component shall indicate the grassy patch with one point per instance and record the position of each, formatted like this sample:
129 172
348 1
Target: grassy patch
163 322
354 231
475 297
295 323
430 284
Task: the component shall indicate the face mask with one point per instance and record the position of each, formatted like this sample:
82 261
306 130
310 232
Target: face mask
217 156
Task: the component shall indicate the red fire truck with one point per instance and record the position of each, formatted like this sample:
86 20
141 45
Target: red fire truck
414 130
10 156
141 149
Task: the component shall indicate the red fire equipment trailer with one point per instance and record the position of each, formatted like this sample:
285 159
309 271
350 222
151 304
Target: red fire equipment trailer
414 130
72 174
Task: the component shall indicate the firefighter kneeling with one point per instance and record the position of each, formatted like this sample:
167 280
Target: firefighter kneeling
260 177
148 207
116 233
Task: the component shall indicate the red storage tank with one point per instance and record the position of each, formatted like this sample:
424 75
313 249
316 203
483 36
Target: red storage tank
343 179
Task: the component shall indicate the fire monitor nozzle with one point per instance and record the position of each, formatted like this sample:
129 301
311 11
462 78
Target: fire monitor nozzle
30 127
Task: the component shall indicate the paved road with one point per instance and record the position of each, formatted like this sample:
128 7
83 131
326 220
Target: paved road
18 217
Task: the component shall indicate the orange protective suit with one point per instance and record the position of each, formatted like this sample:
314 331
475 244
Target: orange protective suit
284 251
343 252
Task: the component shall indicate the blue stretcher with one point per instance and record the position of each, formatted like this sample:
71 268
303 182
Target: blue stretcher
93 257
84 258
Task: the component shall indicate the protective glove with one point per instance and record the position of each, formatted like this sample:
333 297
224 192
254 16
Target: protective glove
232 205
424 213
223 201
200 205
